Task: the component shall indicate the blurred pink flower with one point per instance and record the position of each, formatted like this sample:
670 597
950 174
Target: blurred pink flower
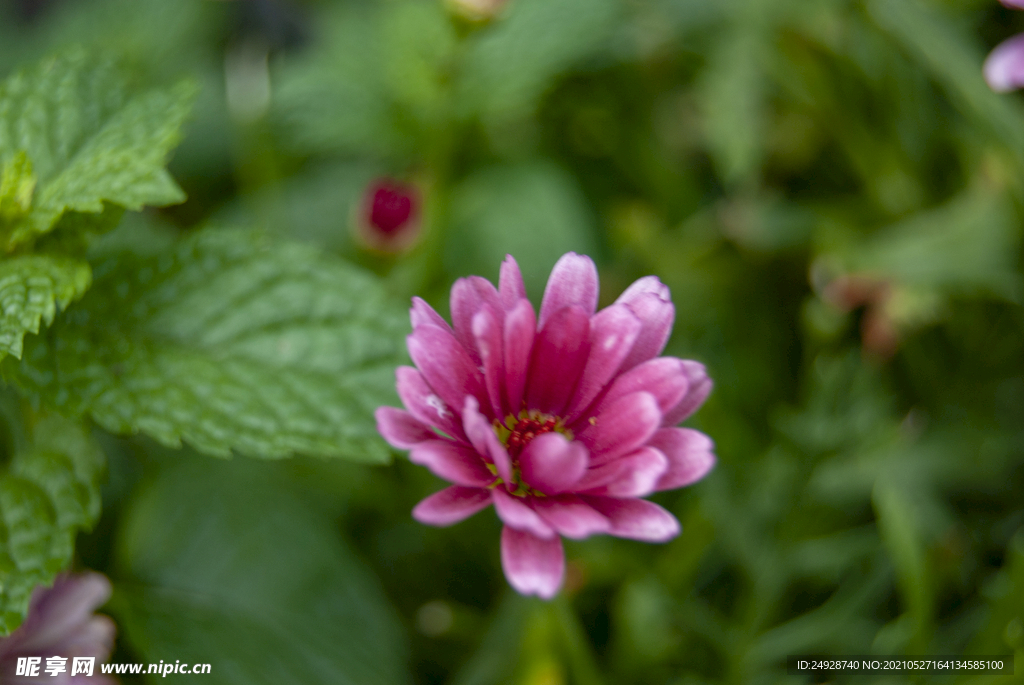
389 217
1004 68
61 622
563 423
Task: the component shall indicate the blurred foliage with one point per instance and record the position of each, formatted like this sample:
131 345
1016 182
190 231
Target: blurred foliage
828 187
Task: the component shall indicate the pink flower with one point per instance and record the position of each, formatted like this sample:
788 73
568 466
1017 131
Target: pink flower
389 218
1004 68
61 622
563 422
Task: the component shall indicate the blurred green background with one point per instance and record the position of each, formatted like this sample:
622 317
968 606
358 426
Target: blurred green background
834 197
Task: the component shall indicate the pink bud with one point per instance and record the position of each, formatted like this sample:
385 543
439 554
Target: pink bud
389 218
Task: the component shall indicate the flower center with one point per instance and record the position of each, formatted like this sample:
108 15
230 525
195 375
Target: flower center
518 431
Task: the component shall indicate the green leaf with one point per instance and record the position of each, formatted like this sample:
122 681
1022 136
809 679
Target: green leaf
17 183
89 140
49 491
510 66
32 288
269 591
230 341
533 211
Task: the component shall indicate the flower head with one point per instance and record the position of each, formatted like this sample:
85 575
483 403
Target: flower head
562 421
389 218
1004 67
61 622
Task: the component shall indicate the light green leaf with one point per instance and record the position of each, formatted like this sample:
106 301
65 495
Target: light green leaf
511 64
269 591
49 491
32 289
89 140
533 211
230 341
17 183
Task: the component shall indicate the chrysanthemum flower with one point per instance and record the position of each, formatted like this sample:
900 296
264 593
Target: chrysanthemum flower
61 622
1004 68
389 215
563 422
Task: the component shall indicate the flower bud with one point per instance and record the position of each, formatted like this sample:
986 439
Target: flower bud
475 10
389 216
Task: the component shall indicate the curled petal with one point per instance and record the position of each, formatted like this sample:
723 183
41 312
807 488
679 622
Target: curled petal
649 299
623 426
559 354
1004 68
422 314
613 332
533 566
552 464
663 377
571 516
455 462
510 284
699 387
469 296
451 505
573 283
58 615
520 328
635 475
690 456
515 513
401 429
487 335
424 404
636 519
486 443
446 365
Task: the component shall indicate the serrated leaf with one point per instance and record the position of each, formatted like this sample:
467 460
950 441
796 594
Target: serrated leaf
49 491
32 289
89 140
230 341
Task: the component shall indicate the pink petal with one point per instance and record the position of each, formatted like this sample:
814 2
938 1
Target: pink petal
453 461
520 329
1014 4
446 365
634 475
422 314
699 389
613 331
663 377
690 456
451 505
515 513
469 295
487 335
623 426
533 566
484 440
424 404
571 516
552 464
1004 68
57 613
400 429
510 284
559 354
636 519
649 299
572 283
